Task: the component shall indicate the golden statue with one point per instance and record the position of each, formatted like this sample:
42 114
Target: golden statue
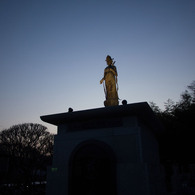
110 83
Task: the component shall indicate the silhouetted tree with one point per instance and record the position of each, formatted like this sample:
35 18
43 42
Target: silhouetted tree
177 144
155 108
29 149
178 118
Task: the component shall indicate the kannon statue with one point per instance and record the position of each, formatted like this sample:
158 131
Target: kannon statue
110 83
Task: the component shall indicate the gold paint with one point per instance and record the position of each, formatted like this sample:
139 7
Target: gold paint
110 83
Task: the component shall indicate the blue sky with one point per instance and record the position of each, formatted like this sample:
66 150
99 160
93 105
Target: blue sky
52 54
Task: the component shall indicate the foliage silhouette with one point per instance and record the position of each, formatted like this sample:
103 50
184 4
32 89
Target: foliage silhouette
176 143
29 149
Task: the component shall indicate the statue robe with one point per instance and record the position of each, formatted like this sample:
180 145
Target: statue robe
110 77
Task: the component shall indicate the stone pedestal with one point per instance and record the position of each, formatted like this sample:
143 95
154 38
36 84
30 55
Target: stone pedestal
110 150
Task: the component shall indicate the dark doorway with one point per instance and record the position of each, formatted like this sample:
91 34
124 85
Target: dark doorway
92 170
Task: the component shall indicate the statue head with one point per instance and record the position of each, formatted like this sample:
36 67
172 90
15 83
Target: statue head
109 60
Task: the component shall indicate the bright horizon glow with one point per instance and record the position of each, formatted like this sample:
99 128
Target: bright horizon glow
53 54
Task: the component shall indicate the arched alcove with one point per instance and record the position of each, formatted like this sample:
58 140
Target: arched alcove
92 169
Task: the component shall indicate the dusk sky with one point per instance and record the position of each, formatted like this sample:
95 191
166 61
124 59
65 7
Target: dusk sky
52 54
